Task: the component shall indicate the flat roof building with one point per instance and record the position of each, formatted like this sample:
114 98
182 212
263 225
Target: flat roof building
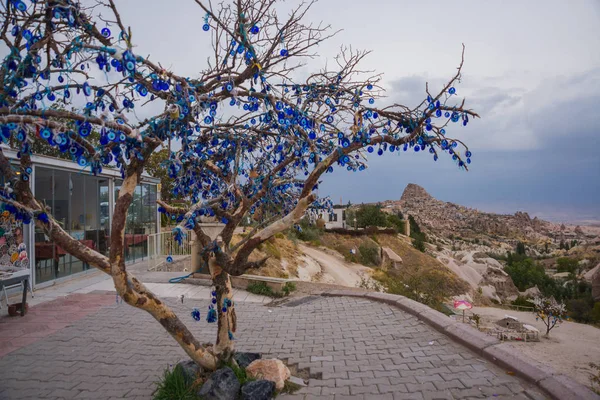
83 205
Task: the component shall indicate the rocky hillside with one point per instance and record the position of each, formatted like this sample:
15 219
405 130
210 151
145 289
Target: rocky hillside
448 220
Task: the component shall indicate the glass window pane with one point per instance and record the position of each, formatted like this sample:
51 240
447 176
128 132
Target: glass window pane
46 261
62 198
104 212
77 226
92 214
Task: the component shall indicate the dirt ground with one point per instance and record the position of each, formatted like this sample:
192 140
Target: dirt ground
569 350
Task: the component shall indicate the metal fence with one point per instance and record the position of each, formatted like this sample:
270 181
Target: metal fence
163 244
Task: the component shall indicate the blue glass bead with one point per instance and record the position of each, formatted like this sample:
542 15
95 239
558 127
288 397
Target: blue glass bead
379 152
87 90
468 153
417 148
45 133
214 294
141 89
370 149
443 131
196 314
169 259
211 317
438 113
371 101
283 53
468 161
205 27
82 161
369 86
51 97
451 90
19 5
446 114
254 30
67 94
105 32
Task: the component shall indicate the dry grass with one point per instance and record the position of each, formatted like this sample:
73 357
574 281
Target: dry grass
283 257
344 243
417 263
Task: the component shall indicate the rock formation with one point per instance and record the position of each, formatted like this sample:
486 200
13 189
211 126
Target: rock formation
451 220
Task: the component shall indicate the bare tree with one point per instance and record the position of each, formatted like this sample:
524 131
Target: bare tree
255 138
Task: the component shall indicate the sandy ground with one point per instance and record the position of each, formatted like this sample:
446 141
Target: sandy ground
333 269
569 350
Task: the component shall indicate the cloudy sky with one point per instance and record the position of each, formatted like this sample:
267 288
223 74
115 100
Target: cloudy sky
532 71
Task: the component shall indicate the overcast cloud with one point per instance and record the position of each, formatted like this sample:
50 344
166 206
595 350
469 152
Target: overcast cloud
532 71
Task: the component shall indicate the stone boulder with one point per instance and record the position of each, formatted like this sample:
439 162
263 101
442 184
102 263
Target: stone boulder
271 370
221 385
245 359
190 370
390 258
258 390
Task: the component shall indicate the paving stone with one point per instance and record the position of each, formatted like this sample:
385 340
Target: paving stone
335 390
343 340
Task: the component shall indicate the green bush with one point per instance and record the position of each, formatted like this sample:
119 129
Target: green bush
595 313
174 386
566 264
396 222
526 274
288 288
418 243
369 254
262 289
307 232
580 310
371 215
522 301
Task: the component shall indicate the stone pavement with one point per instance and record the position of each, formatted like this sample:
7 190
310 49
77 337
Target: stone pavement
353 347
99 281
46 319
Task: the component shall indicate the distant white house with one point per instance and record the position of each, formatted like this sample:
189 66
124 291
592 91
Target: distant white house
337 219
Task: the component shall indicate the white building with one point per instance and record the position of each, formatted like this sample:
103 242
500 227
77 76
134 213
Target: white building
337 219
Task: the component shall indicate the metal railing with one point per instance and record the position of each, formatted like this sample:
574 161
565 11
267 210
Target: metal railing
163 244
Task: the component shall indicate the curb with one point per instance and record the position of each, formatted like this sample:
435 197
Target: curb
557 386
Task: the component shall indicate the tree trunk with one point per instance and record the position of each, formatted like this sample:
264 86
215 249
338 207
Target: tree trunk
226 320
136 294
